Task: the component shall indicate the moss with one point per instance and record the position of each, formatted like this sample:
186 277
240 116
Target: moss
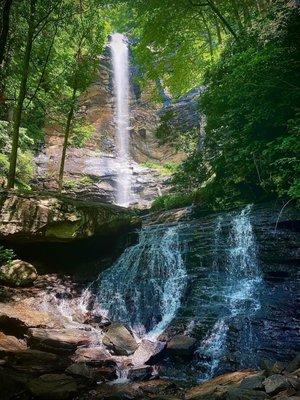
63 230
166 169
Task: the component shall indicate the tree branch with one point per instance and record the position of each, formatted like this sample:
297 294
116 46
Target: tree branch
44 67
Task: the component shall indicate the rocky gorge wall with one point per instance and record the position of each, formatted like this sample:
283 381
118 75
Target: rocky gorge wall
90 171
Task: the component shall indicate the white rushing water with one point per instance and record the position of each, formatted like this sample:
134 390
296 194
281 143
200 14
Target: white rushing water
144 287
240 291
120 60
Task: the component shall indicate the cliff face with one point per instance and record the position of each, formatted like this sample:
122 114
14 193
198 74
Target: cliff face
44 218
90 171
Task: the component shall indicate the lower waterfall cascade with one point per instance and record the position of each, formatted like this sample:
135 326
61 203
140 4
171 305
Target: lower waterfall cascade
203 277
152 269
239 291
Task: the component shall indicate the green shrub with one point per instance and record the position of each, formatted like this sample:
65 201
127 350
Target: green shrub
251 149
81 134
164 169
6 255
175 200
25 163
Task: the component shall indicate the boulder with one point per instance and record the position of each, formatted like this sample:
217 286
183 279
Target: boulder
93 356
275 383
43 218
246 394
147 351
53 387
218 387
18 273
16 318
95 373
181 345
10 344
58 340
120 340
140 373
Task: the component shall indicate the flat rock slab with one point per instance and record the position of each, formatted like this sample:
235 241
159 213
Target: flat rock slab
218 387
9 344
93 356
36 362
120 340
58 340
53 387
17 318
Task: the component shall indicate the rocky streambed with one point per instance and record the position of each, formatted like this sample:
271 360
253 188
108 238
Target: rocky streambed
49 352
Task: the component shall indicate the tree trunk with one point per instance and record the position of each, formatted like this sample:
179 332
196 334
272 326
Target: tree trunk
5 28
237 15
224 21
66 139
21 97
209 36
218 30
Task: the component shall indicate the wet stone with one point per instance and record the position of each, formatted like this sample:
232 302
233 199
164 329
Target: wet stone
120 340
140 373
93 356
181 345
92 373
147 352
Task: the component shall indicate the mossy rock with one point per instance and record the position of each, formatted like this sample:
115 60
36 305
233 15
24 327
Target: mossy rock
18 273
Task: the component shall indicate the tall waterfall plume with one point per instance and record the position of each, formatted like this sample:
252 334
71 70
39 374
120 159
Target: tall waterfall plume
120 61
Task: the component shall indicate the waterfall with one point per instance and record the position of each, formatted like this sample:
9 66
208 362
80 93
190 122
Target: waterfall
144 287
120 60
239 294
